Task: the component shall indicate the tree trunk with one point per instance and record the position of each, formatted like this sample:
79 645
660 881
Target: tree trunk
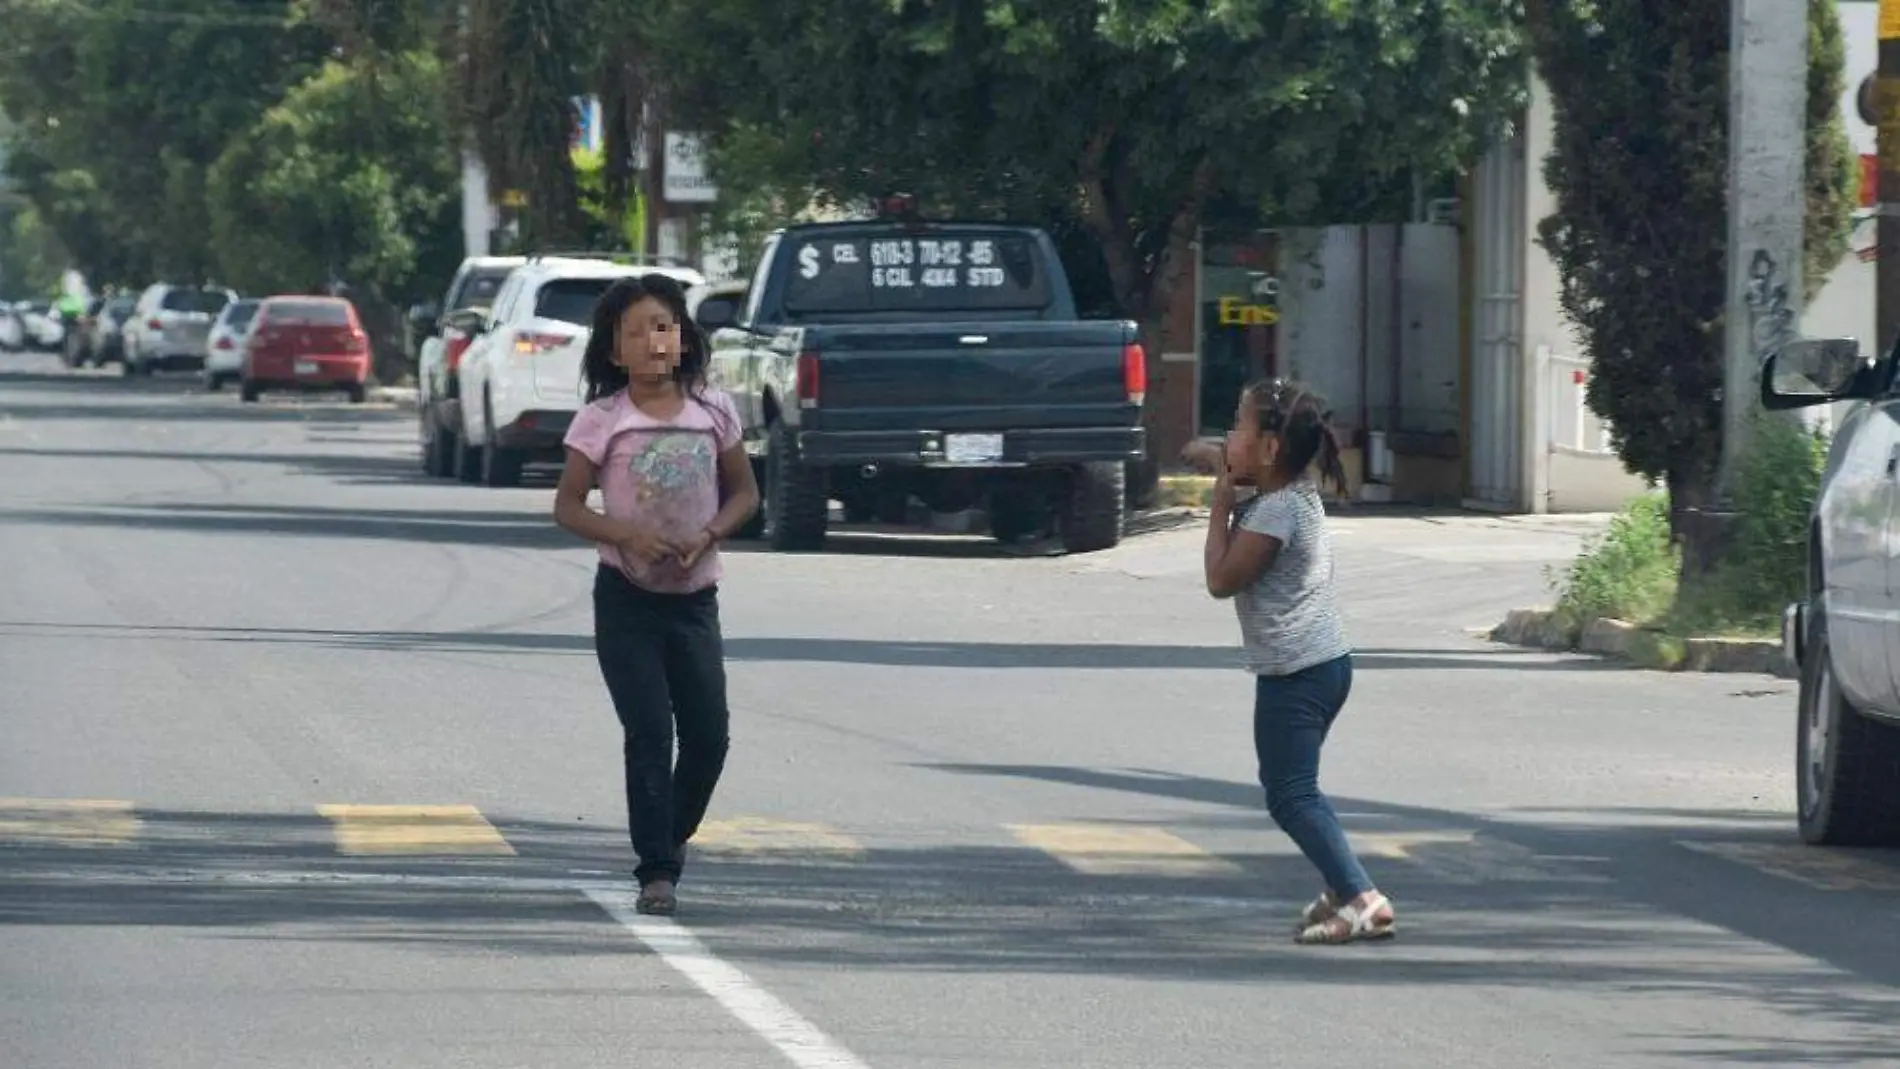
1698 530
1144 290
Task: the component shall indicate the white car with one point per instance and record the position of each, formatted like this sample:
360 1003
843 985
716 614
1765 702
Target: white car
445 332
519 382
169 329
224 348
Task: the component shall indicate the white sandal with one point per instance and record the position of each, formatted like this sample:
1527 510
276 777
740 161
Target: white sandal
1361 923
1318 911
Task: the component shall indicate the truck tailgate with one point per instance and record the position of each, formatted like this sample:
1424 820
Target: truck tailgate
976 375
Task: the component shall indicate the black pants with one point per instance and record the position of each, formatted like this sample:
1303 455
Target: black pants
664 662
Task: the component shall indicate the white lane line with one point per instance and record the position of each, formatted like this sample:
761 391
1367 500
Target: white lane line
800 1041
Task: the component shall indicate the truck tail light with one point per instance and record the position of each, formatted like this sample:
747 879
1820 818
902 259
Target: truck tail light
1135 372
453 348
530 344
154 323
807 377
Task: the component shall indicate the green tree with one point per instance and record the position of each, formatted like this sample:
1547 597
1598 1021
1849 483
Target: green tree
122 104
298 204
1639 170
1132 119
523 64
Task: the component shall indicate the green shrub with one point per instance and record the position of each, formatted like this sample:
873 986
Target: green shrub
1765 565
1630 571
1626 573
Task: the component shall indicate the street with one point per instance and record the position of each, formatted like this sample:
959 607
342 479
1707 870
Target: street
308 762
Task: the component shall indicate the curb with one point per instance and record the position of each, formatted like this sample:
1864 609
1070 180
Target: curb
1164 518
402 396
1643 648
1185 491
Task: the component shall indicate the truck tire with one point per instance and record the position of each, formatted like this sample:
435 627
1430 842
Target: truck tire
1092 515
1847 765
754 528
796 503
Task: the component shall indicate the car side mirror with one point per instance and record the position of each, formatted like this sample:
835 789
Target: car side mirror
470 321
423 317
1816 371
717 313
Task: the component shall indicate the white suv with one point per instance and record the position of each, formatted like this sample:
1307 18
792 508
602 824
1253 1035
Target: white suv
520 379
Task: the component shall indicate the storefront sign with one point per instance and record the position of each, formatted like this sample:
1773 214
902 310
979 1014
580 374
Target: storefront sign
1238 312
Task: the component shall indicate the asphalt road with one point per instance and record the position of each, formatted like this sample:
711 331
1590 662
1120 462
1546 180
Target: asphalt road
982 809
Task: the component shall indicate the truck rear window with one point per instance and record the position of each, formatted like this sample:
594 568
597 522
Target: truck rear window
931 271
571 300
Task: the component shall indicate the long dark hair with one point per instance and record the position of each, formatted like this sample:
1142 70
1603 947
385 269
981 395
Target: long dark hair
1305 425
605 378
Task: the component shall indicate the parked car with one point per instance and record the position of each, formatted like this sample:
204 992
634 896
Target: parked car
447 330
170 326
106 344
225 345
41 328
880 361
12 330
519 383
1844 634
306 344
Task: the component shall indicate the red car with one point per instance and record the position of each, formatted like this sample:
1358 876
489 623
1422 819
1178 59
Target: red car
306 344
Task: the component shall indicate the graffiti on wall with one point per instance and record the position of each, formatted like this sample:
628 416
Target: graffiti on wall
1770 319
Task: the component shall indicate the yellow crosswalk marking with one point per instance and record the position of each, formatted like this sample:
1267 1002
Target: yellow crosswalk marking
1822 868
1119 850
1398 845
413 829
754 835
67 821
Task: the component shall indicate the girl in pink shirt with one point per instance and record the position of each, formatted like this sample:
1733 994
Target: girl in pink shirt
674 481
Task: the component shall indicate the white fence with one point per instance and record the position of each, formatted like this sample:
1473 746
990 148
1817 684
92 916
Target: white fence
1572 425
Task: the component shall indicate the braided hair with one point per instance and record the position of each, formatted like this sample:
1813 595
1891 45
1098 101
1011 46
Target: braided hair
1303 421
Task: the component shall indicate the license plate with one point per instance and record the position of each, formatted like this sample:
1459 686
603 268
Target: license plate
307 367
972 448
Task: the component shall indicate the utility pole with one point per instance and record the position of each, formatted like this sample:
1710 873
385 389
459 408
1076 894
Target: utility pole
1887 180
1767 209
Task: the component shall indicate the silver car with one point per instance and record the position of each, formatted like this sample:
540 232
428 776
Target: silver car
170 328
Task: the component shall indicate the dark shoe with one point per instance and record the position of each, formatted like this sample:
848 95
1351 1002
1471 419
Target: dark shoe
656 899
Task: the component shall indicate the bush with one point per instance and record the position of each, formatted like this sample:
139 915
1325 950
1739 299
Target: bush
1766 562
1626 573
1630 571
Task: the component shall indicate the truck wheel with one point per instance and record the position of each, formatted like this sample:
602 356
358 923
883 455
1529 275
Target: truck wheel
797 505
754 528
1847 764
438 455
1092 515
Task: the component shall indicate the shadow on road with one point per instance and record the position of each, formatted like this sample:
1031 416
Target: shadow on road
513 529
167 398
899 654
1616 911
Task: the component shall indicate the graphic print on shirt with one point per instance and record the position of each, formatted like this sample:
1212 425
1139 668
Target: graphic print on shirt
674 474
672 464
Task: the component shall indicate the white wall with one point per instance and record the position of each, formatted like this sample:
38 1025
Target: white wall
1335 330
1844 308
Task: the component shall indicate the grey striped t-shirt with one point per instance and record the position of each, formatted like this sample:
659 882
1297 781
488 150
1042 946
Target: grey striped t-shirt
1289 617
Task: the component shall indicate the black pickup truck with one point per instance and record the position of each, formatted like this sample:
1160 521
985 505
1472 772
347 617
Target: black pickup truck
877 362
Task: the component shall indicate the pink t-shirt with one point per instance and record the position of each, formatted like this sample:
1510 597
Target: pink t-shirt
659 472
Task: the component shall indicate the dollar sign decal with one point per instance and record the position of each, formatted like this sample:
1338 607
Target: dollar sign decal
808 261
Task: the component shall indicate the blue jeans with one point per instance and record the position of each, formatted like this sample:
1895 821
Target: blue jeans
1291 716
